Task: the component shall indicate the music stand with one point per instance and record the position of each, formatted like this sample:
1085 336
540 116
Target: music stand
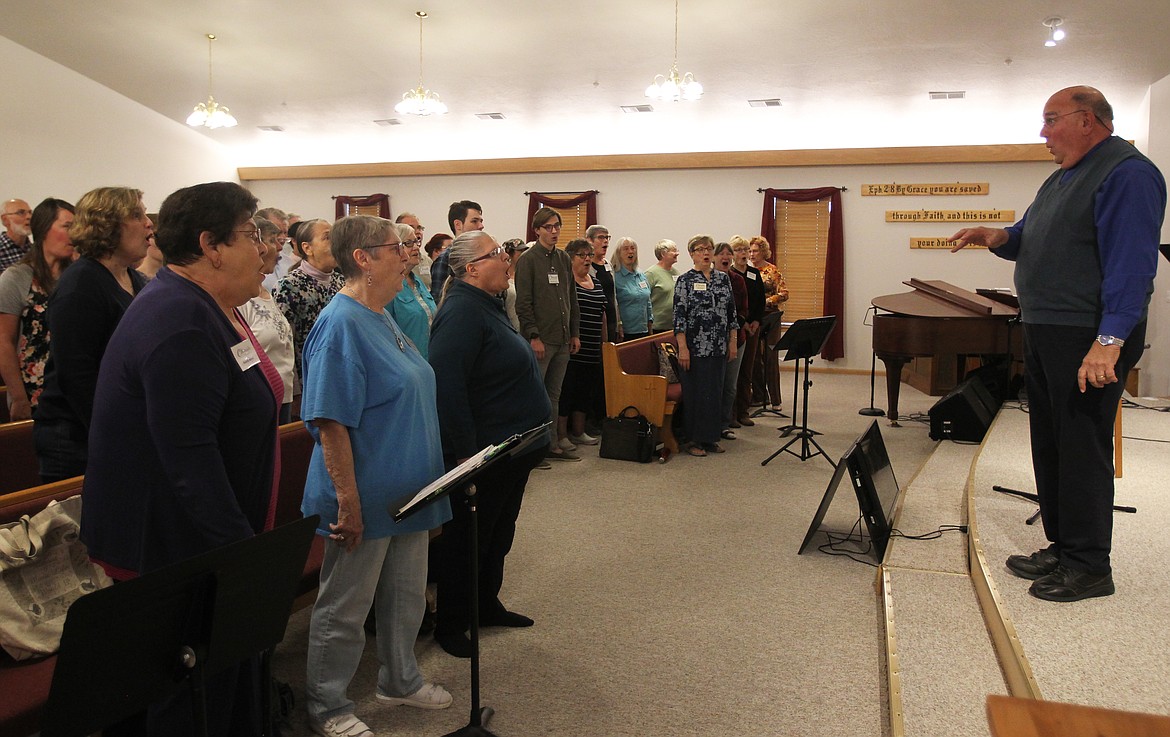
769 323
136 643
804 339
461 477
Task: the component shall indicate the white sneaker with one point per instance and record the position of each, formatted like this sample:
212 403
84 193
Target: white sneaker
346 725
430 696
584 439
566 444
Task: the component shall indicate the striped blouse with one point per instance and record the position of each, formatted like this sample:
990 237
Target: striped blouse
591 304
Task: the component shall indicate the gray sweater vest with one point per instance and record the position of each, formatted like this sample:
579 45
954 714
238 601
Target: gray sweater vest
1058 270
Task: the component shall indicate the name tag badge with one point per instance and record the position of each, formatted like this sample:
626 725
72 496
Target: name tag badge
700 287
554 278
751 275
642 284
245 354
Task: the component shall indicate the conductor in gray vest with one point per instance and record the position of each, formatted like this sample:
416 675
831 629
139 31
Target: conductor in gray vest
1086 252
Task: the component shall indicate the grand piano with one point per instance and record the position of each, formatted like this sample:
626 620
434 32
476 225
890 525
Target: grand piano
937 319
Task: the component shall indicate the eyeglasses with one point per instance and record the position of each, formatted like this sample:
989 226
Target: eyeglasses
551 226
412 244
1050 120
19 212
490 254
514 246
396 246
253 234
703 249
584 254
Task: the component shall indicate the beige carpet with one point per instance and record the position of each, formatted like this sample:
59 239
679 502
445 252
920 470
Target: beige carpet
1113 651
669 599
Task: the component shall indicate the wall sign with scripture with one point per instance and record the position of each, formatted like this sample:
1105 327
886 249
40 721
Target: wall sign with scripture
893 189
938 244
950 216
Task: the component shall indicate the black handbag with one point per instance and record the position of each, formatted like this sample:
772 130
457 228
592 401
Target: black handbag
629 437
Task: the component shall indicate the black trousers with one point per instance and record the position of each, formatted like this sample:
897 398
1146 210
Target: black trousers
1072 440
499 494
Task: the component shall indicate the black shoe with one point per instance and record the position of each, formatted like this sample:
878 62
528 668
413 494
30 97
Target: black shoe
506 619
1033 566
428 623
1065 584
454 643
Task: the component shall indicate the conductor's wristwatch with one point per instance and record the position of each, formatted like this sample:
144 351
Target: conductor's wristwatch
1110 340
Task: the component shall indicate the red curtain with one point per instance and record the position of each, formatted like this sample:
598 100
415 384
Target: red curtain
536 200
344 203
834 261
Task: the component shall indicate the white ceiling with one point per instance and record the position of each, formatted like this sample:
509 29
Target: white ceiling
849 72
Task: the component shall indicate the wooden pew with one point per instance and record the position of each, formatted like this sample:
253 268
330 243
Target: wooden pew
632 378
18 457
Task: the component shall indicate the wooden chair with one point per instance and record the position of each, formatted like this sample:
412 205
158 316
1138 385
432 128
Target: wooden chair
632 378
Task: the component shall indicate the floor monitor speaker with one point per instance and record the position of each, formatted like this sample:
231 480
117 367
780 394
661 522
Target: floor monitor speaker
963 414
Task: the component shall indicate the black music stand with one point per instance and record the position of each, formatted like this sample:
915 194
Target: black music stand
769 323
136 643
461 477
805 339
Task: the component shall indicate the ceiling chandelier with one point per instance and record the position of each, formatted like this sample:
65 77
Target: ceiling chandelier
211 114
420 101
1055 32
673 86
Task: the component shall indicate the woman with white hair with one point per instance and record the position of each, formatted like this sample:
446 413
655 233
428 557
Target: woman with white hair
635 319
414 307
369 402
661 277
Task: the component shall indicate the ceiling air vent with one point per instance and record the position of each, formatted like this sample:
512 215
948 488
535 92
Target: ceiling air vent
771 102
949 95
490 116
388 121
637 108
271 128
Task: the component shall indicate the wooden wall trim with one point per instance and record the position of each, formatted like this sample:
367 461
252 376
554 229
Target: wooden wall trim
995 153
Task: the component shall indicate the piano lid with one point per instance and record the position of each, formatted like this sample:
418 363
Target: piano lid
936 298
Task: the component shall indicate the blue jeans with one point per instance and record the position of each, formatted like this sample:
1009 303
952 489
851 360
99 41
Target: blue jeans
731 385
391 573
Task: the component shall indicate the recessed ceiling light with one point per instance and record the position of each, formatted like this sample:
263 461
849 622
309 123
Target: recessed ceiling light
637 108
388 121
490 116
769 102
948 95
271 128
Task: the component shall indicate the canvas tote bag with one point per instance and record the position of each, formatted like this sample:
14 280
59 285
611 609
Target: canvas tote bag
44 568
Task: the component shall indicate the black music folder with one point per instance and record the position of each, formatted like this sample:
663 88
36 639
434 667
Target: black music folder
465 472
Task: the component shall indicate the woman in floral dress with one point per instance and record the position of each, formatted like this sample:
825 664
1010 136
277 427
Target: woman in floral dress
303 292
24 299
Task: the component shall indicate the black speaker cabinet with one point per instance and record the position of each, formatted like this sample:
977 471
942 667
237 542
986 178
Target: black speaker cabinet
963 414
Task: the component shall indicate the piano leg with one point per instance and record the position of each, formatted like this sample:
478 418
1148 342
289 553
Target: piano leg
894 366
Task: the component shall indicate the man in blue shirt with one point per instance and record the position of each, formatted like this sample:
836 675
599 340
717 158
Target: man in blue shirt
1086 252
462 215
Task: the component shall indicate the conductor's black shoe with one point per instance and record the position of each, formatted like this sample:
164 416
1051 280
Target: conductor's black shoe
454 643
1065 584
1033 566
506 619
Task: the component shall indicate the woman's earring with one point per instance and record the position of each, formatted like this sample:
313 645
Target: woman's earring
369 279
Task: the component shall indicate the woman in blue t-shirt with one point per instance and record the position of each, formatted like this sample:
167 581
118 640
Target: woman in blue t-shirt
369 402
635 315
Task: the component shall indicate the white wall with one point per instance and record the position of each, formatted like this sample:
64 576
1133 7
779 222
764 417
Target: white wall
63 134
649 205
1155 363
